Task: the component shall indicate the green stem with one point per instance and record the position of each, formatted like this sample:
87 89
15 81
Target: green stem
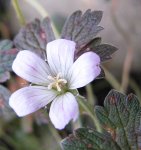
89 110
18 12
36 4
90 95
111 79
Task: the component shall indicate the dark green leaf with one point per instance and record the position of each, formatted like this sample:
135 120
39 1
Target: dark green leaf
35 36
121 120
88 139
5 111
104 51
121 116
82 28
95 42
7 55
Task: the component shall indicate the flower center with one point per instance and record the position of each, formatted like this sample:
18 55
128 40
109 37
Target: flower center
57 82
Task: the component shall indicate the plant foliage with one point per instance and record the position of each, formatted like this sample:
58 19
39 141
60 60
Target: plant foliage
120 119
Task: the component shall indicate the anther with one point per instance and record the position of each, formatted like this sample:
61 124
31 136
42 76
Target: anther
56 82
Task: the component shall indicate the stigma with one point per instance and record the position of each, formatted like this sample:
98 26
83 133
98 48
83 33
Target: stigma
56 82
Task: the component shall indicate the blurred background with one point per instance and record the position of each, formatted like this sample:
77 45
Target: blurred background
122 29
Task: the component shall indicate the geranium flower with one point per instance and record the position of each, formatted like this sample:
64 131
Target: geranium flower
53 81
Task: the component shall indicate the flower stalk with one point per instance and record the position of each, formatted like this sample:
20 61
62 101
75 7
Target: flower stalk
91 97
82 102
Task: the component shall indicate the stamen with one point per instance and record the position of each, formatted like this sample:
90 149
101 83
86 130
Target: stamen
63 80
59 75
51 78
57 82
58 87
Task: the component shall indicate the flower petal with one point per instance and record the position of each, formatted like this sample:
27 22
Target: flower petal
85 69
31 67
30 99
63 109
60 55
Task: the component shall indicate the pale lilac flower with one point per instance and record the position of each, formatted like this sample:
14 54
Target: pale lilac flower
53 81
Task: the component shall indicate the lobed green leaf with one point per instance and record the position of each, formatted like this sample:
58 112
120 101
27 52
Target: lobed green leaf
88 139
121 121
82 28
121 116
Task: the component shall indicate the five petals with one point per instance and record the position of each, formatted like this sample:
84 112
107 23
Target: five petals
60 57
